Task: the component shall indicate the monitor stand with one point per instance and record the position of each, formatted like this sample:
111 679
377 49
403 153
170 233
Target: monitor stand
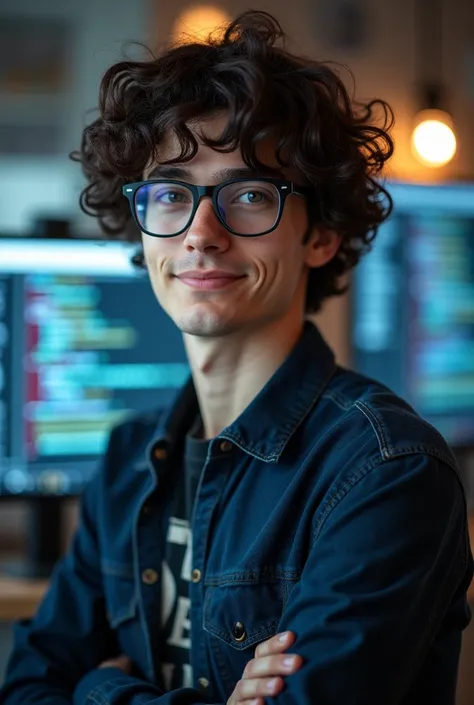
43 539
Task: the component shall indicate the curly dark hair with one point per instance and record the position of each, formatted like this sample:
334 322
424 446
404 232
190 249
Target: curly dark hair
332 140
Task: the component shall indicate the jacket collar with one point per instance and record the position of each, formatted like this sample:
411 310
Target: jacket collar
267 424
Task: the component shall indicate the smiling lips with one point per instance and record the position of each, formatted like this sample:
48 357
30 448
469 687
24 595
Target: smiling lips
208 280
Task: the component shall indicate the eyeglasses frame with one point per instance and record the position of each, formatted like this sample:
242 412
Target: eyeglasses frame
285 188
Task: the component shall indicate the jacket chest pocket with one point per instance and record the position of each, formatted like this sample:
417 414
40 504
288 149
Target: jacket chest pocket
237 618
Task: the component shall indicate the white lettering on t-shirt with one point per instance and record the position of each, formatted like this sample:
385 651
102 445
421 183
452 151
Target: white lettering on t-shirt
179 630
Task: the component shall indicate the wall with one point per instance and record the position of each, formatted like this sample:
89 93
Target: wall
101 33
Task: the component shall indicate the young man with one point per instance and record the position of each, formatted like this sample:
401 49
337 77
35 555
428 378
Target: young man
280 493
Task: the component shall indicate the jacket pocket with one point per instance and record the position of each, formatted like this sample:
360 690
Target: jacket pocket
243 615
236 618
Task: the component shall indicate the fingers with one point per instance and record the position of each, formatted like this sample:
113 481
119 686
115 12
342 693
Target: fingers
122 662
270 666
275 645
249 689
263 675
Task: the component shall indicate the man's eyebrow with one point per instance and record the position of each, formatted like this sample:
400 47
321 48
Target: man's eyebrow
169 172
246 173
174 172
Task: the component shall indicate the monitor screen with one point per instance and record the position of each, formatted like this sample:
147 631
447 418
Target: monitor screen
413 306
83 344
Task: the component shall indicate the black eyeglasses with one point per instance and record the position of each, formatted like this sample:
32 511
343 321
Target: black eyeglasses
245 207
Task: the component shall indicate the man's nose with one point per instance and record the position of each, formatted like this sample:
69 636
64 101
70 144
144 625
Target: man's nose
205 231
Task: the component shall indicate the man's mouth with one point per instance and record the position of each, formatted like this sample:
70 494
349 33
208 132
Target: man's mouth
208 280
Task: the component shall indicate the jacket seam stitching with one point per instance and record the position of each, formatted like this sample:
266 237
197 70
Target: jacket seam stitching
300 414
96 696
342 491
352 480
376 426
389 452
341 402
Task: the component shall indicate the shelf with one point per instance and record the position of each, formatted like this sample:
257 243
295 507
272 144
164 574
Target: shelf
20 598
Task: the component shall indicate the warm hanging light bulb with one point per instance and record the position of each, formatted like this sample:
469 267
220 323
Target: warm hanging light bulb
195 23
433 139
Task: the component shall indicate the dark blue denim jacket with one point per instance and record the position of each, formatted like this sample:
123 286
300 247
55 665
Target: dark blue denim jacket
328 508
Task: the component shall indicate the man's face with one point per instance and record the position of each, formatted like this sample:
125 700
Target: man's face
253 281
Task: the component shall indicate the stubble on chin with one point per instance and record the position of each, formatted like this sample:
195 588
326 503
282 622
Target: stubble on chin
203 324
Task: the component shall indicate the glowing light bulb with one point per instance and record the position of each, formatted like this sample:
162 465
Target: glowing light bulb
197 22
433 139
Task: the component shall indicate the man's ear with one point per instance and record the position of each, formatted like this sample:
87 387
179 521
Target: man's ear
321 247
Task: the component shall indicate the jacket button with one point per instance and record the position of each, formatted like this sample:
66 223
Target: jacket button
238 632
149 576
225 446
203 683
160 453
196 575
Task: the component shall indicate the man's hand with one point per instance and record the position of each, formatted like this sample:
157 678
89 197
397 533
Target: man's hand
122 662
263 674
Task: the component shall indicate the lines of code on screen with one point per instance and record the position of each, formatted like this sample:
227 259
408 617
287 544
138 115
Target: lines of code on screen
78 353
95 351
5 367
413 316
441 321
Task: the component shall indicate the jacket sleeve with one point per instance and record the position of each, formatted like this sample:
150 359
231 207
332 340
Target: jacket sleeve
386 561
69 635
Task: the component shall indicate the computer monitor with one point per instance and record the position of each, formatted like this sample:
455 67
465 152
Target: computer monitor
413 306
83 344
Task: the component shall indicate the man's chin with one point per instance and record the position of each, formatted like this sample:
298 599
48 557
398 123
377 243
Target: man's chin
205 323
207 330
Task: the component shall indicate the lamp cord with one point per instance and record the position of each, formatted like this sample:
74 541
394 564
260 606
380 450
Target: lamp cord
429 51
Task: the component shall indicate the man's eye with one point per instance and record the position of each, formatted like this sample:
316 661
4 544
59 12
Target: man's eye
170 197
252 197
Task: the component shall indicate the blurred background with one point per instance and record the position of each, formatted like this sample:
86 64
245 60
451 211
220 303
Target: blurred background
75 351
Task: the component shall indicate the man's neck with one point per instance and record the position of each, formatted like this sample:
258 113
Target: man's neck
229 372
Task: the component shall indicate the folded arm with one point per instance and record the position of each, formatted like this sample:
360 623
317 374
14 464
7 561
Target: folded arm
385 564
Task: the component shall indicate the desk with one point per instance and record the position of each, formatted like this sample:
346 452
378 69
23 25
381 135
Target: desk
19 598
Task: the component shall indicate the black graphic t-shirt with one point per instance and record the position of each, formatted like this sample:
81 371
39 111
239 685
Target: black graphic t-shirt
177 566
